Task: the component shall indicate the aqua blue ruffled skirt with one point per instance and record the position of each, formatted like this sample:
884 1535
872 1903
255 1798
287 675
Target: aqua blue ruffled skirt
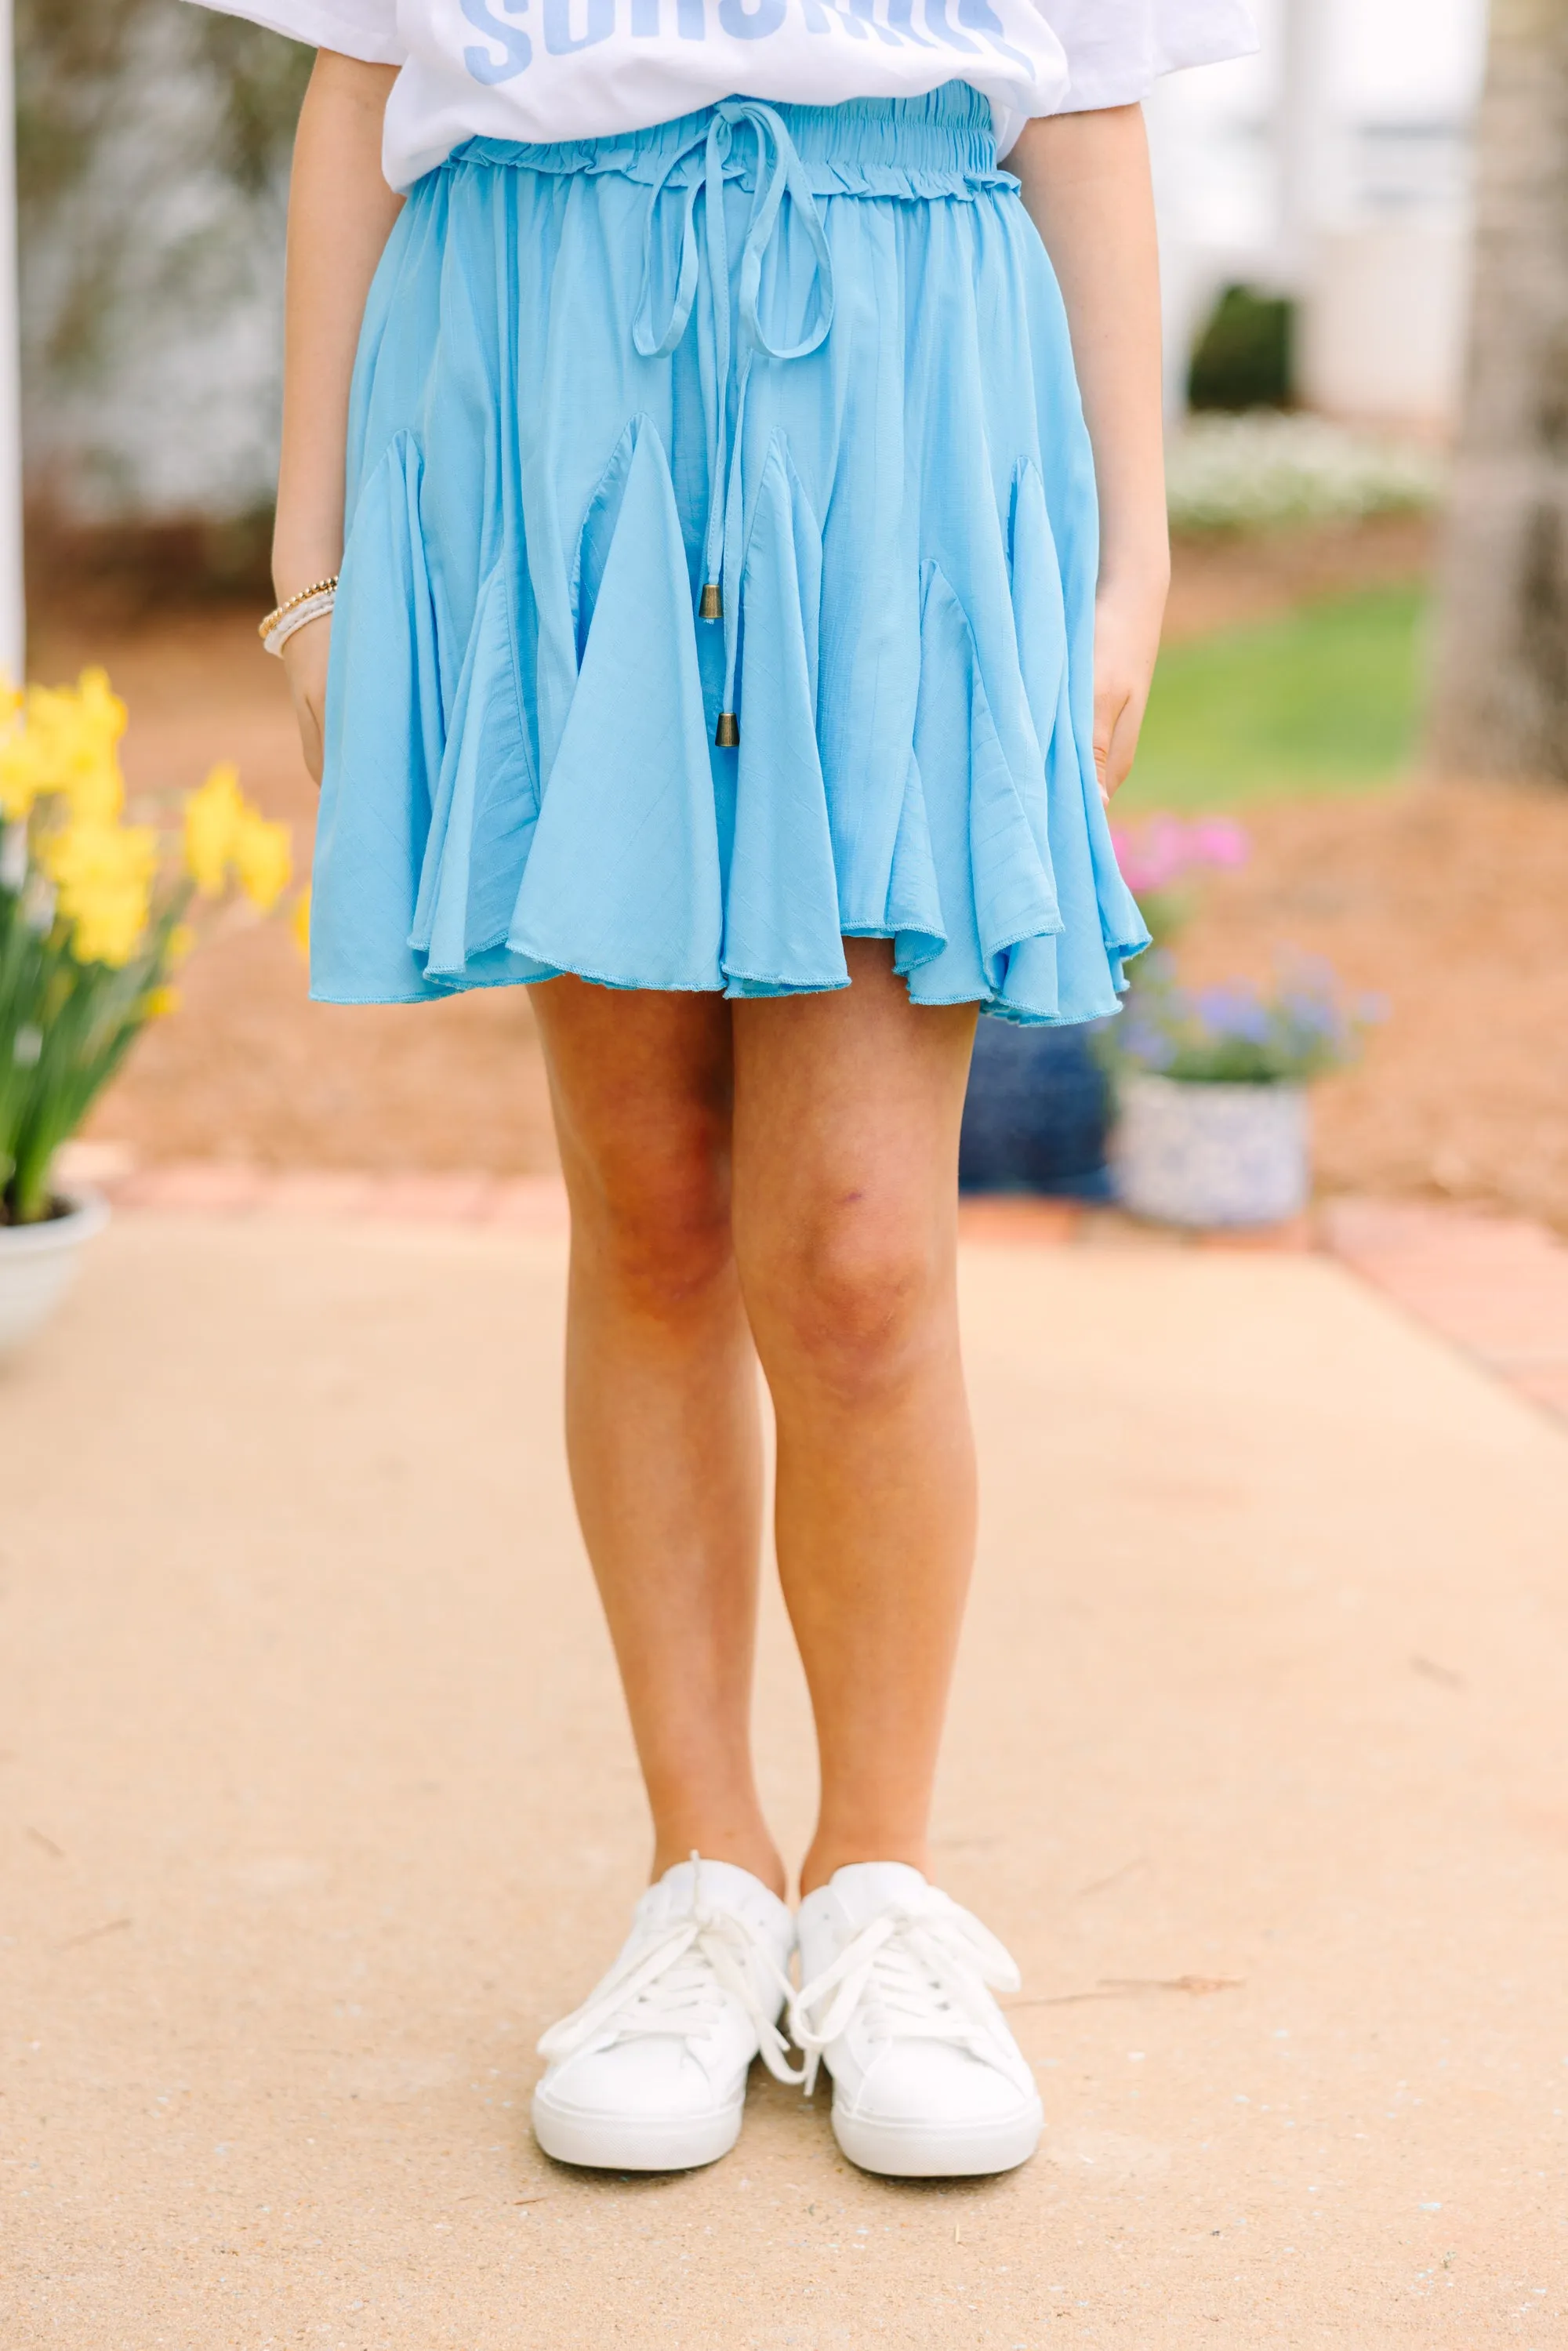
719 578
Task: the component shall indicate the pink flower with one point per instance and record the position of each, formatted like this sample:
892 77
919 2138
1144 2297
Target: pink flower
1219 841
1153 856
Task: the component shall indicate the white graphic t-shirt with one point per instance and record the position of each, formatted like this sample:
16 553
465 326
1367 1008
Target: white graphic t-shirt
554 70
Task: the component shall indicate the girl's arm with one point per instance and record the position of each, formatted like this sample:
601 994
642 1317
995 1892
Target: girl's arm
1087 189
341 214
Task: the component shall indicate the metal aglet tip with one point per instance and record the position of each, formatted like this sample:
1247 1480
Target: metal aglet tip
710 605
727 736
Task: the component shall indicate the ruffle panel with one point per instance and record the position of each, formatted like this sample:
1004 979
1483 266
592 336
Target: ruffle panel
987 874
645 859
385 733
487 802
914 917
622 881
783 930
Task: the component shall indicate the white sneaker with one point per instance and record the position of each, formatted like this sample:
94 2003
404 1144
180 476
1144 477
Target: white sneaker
929 2082
649 2074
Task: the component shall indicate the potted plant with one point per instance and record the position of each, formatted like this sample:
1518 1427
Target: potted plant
1037 1115
1212 1092
92 926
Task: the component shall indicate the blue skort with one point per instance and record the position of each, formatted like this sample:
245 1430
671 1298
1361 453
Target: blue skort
719 578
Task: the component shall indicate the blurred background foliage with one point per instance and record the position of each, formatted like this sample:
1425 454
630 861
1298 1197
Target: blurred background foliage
1325 698
80 65
152 156
1245 357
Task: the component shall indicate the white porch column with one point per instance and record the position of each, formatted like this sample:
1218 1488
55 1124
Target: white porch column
12 605
1311 135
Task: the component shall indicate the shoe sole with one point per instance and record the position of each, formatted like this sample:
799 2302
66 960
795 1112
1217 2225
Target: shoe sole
610 2143
938 2151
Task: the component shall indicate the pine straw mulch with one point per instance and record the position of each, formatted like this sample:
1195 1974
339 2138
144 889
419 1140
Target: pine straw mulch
1452 901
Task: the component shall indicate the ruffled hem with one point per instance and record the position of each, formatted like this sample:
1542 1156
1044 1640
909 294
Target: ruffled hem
589 827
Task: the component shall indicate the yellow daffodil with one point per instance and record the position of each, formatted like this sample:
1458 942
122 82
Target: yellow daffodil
74 733
213 816
264 859
77 876
95 786
63 739
104 873
299 922
18 785
25 771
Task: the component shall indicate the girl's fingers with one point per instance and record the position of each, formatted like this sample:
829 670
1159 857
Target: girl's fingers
1123 744
1110 705
1118 723
305 659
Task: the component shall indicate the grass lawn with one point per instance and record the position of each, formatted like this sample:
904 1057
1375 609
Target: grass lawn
1326 699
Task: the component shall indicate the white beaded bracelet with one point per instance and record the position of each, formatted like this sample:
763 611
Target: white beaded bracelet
310 604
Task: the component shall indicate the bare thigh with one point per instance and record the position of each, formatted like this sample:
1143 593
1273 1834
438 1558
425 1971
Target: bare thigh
847 1110
641 1085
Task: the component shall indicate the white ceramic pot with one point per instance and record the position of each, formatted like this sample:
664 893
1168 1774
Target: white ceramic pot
1210 1155
39 1263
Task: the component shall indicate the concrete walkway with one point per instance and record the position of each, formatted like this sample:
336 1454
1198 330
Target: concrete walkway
316 1804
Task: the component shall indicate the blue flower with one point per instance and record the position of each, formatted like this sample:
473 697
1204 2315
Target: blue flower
1235 1011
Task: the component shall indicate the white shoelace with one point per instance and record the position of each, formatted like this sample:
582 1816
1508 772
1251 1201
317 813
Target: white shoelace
674 1985
921 1974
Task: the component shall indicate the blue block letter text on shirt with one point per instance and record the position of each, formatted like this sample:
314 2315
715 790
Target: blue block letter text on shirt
981 18
560 39
821 15
936 22
753 24
900 17
514 41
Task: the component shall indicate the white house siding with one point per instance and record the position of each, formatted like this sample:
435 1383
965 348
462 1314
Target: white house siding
1334 166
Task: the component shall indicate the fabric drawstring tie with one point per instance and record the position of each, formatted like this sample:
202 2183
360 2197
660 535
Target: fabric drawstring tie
782 176
923 1969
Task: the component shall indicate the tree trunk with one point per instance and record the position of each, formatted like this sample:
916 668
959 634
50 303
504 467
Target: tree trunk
1501 689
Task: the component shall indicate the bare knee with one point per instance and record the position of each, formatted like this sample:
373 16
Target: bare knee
655 1221
852 1302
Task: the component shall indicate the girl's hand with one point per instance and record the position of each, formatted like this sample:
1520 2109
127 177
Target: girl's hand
305 660
1126 642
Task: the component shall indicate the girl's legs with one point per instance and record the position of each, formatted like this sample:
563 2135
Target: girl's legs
661 1425
847 1109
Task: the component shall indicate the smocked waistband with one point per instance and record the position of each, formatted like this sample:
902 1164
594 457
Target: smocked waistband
942 144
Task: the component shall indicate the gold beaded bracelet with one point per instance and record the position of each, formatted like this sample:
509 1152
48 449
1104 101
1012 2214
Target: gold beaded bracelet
311 603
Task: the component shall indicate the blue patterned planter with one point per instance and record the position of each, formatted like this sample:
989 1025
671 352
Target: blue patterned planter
1188 1154
1038 1112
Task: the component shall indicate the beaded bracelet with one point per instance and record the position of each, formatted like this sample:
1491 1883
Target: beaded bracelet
312 604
